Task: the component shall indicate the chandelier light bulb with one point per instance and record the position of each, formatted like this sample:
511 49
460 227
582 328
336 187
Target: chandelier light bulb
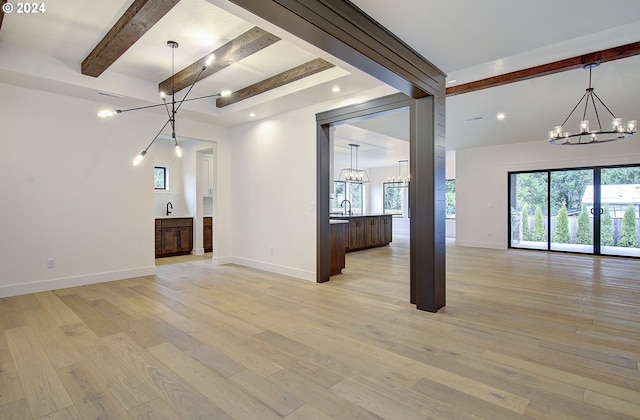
106 113
178 150
225 93
139 158
584 126
209 60
163 95
631 126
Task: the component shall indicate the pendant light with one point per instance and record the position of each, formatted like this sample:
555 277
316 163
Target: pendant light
352 173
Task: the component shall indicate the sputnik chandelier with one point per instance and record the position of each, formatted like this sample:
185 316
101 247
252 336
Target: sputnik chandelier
585 135
171 107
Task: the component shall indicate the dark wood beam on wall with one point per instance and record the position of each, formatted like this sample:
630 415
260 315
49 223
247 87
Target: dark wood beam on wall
135 22
580 61
233 51
291 75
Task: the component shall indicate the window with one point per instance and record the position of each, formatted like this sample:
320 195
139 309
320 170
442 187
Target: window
352 192
451 198
160 178
394 198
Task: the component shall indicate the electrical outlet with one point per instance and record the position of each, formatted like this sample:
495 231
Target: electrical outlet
51 263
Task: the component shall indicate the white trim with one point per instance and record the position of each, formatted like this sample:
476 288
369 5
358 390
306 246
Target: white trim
222 260
274 268
62 283
197 251
476 244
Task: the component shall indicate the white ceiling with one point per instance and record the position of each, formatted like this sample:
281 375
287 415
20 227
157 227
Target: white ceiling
467 39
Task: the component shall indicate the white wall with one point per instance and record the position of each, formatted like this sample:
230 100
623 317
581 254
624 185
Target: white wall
274 194
69 192
482 184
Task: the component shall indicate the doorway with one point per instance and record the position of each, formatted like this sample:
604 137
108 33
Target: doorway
426 192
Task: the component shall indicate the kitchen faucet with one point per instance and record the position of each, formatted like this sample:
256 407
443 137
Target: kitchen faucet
169 211
345 207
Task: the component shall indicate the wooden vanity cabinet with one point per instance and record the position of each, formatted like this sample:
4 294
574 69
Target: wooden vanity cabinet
174 236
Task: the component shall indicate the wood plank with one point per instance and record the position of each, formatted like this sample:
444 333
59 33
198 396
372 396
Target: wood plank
180 395
272 395
250 42
215 387
43 390
135 22
10 388
60 351
299 72
15 410
112 368
157 409
99 324
92 398
60 313
610 54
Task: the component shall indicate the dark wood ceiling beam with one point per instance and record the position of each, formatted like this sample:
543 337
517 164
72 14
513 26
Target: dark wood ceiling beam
135 22
233 51
580 61
291 75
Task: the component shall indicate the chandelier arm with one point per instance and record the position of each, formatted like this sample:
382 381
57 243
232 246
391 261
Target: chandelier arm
120 111
157 135
190 87
574 108
201 97
166 106
595 110
603 104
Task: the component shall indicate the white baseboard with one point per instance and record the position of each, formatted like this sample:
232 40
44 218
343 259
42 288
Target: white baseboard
476 244
222 260
274 268
62 283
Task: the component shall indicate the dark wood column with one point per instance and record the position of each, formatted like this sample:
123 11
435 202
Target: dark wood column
427 205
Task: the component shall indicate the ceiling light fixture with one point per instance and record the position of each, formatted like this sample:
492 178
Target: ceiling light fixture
352 173
501 116
401 180
175 105
584 135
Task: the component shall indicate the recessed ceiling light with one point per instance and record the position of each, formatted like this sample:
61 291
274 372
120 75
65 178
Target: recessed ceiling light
253 114
336 89
500 116
451 81
225 93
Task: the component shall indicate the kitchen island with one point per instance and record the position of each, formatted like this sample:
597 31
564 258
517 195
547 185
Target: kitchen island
366 230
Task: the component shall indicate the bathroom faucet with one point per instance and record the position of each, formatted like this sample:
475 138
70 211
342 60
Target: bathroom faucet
345 207
169 211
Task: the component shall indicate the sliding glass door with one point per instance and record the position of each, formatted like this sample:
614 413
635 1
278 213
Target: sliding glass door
585 210
571 210
620 198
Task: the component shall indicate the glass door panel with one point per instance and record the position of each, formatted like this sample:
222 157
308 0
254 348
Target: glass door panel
528 210
572 210
620 198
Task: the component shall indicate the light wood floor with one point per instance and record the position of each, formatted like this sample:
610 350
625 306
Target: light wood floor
524 334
